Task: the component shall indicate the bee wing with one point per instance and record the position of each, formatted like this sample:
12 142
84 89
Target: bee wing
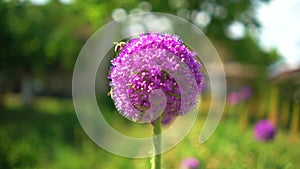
109 93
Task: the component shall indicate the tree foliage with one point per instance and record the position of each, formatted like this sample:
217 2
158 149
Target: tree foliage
38 39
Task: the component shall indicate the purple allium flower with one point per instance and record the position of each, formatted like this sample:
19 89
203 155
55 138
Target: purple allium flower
166 120
264 130
190 163
233 98
246 92
155 74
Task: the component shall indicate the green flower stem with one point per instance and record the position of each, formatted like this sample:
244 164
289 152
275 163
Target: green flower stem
262 157
156 159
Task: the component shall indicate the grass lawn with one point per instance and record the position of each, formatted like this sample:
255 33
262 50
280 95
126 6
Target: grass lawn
49 136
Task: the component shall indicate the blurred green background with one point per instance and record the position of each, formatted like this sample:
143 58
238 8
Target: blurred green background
38 126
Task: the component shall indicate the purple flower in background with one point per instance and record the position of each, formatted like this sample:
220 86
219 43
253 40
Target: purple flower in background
264 130
246 92
238 96
190 163
233 98
155 73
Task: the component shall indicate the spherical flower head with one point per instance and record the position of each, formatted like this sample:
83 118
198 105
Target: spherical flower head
264 130
190 163
155 75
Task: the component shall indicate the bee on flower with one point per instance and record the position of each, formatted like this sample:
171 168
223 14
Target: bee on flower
119 46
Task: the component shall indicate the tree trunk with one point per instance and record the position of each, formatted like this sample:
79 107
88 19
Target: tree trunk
27 91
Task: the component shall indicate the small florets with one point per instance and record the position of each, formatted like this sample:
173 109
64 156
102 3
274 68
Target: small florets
153 62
